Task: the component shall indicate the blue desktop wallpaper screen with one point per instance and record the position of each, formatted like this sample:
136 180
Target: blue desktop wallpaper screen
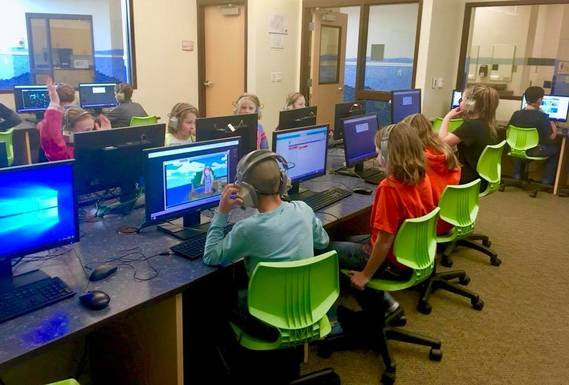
36 209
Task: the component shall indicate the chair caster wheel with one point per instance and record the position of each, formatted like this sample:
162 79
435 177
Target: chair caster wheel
424 307
533 194
446 262
477 304
487 243
496 262
464 281
435 354
502 188
388 377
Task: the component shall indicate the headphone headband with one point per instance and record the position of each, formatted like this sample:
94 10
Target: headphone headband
385 133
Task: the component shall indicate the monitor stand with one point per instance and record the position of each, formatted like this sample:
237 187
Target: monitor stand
191 227
9 282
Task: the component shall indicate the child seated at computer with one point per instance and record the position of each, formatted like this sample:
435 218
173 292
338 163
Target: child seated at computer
181 124
8 118
404 193
120 115
532 116
441 163
250 104
478 109
57 127
280 231
295 100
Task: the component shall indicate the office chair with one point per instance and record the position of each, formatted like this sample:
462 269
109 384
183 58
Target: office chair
520 140
452 126
414 246
7 138
65 382
143 120
459 207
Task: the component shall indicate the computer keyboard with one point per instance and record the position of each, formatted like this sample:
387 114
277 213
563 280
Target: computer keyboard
374 178
326 198
193 248
33 296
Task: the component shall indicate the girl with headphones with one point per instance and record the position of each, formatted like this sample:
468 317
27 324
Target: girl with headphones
181 124
294 101
250 104
57 127
478 109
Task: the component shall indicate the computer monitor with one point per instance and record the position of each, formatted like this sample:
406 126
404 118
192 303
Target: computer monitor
556 107
359 135
404 103
244 126
3 155
300 117
113 158
31 98
97 95
345 110
37 212
305 149
455 99
177 183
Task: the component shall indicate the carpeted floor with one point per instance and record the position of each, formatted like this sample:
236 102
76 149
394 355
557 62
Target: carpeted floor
522 334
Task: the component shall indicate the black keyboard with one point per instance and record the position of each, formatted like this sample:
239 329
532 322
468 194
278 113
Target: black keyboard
326 198
374 178
33 296
193 248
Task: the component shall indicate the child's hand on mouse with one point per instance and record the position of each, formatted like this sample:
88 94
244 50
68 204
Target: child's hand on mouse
229 198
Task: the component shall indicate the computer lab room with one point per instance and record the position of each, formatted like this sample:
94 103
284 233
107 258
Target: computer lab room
284 192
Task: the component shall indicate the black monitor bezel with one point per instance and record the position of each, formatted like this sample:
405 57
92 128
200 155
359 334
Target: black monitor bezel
147 215
407 90
201 129
291 130
307 112
16 100
90 107
76 235
352 164
340 114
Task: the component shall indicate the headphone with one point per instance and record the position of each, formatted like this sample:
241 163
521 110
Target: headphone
385 133
179 110
253 98
469 102
248 192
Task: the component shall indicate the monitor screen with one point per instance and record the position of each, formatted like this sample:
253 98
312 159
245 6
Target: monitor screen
188 178
97 95
31 98
37 208
304 149
404 103
556 107
113 158
456 98
345 110
300 117
359 134
244 126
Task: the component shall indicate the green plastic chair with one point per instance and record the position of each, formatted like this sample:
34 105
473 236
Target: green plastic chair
65 382
459 207
452 126
489 167
520 140
143 120
293 297
7 137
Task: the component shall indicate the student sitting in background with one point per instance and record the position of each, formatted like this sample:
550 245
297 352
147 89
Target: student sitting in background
295 100
120 115
441 163
533 117
280 231
181 124
250 104
478 109
405 193
57 128
8 118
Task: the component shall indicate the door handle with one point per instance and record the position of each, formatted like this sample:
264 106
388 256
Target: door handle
340 88
208 83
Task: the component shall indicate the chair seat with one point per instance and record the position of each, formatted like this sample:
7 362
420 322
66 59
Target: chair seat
527 157
254 343
391 285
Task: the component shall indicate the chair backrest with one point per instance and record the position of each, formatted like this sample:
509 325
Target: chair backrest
452 125
521 139
489 166
459 206
7 137
415 244
143 120
294 296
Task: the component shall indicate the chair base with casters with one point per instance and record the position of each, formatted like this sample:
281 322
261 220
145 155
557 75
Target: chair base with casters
469 242
441 280
369 329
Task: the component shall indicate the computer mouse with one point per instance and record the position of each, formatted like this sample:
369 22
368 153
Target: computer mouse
363 191
95 300
102 271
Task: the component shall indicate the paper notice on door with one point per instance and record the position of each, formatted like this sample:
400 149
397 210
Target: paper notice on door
277 41
278 24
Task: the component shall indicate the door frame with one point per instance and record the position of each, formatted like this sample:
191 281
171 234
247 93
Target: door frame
201 4
306 41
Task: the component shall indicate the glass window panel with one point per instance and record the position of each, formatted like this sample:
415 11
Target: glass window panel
329 54
350 65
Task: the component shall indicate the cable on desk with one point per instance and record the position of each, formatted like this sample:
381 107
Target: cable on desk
124 260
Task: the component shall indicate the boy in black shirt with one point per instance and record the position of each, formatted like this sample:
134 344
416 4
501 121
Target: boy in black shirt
532 116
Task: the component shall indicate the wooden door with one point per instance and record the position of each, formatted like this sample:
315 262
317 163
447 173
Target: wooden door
223 77
328 61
